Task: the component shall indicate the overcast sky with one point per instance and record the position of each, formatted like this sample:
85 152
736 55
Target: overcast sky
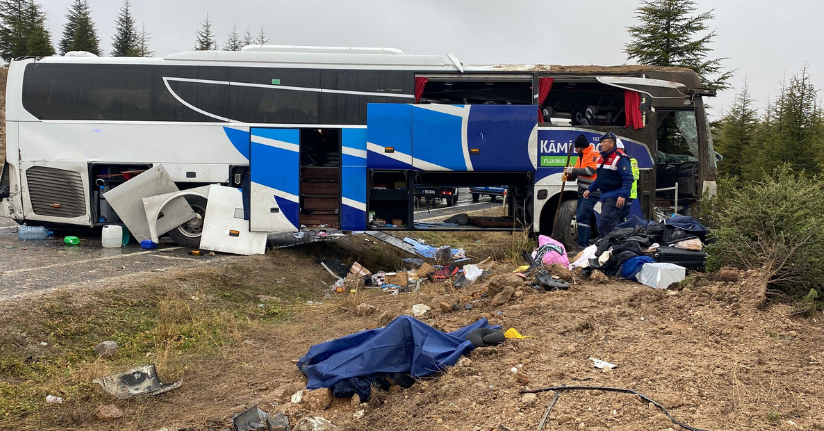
765 40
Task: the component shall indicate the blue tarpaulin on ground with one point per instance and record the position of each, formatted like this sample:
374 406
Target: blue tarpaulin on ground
406 345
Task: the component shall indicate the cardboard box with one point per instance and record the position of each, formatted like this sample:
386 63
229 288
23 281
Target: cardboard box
425 269
399 185
398 278
358 269
397 222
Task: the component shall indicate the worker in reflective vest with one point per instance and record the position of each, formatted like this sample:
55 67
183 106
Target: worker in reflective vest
584 172
636 173
614 181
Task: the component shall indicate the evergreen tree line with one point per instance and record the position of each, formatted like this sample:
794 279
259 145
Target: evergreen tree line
790 130
23 33
206 40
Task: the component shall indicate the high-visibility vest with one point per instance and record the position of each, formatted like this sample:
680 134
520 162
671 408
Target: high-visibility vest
636 173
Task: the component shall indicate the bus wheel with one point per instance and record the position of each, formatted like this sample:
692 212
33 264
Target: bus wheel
566 231
188 234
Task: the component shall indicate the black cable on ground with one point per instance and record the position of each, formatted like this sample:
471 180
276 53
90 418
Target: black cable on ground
559 389
548 410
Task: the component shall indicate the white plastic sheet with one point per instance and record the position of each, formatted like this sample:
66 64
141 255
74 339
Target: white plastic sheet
586 255
661 275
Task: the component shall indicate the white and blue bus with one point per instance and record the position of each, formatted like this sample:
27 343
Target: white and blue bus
337 137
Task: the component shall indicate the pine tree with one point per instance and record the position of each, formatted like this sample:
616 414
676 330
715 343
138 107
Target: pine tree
233 42
738 130
671 34
261 37
39 42
23 30
790 131
247 38
79 33
205 38
13 31
143 39
125 40
801 126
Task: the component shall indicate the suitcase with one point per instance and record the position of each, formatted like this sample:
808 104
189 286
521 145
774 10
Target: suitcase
687 258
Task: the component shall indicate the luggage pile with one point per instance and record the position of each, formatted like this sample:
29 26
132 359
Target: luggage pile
659 253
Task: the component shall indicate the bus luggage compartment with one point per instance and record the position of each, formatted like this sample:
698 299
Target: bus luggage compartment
431 137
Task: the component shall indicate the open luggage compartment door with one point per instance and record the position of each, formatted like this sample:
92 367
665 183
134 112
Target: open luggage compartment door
274 165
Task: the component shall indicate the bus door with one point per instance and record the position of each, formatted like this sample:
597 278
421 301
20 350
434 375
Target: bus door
308 178
274 165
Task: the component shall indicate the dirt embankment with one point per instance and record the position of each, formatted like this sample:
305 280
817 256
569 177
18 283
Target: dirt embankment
708 354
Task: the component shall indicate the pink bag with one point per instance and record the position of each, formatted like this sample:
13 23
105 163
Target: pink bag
550 252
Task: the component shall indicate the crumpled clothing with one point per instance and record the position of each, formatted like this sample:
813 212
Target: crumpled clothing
550 252
585 256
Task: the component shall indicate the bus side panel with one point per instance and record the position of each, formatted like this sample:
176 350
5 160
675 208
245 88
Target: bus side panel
389 136
353 180
275 168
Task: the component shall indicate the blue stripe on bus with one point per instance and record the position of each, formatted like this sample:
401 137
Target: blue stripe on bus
389 125
290 209
239 139
437 139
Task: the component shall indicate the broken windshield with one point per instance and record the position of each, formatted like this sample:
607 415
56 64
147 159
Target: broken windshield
677 137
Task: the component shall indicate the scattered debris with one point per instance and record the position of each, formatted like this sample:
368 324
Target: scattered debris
52 399
106 349
446 308
359 414
602 364
297 397
513 333
139 381
255 419
108 412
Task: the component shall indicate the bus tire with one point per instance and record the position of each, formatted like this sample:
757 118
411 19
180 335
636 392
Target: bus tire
188 234
565 230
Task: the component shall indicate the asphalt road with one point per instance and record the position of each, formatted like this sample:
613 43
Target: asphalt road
30 268
464 204
33 267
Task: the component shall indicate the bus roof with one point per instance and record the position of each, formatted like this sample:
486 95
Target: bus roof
390 58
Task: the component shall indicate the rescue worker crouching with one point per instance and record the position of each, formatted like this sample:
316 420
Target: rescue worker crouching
614 180
584 172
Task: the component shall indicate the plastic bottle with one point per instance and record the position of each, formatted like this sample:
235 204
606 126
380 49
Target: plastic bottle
112 236
28 233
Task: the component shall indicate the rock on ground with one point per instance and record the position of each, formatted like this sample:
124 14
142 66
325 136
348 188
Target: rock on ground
503 296
106 349
108 412
529 399
561 272
598 277
499 282
364 309
314 424
319 399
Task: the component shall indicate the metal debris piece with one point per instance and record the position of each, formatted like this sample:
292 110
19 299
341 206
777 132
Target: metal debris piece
255 419
139 381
